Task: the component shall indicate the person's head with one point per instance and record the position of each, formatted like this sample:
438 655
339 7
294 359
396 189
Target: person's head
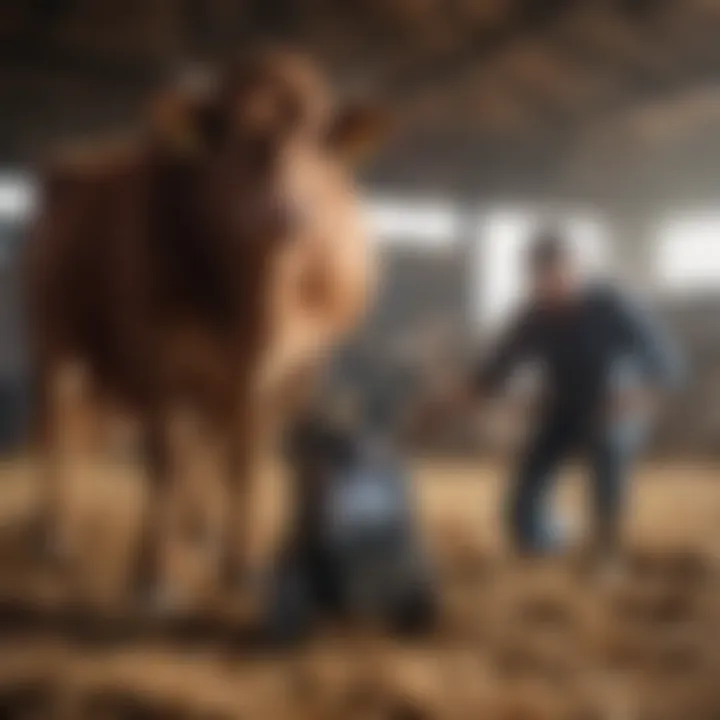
552 268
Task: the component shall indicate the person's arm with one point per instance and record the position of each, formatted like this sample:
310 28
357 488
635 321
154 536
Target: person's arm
461 392
661 362
516 345
650 342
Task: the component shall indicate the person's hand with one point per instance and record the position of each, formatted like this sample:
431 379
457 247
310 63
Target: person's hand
441 404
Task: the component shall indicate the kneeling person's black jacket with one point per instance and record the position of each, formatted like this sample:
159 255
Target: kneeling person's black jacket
353 548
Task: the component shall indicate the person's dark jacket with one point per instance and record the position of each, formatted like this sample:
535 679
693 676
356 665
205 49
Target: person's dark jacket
580 349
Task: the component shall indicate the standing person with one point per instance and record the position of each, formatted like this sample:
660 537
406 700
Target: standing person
584 336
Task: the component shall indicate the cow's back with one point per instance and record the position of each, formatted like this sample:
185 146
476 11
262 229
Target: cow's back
88 264
126 279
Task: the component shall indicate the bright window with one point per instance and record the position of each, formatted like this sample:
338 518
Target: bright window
688 254
16 197
504 237
417 223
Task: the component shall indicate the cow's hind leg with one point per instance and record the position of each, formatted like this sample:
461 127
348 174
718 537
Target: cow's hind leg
65 445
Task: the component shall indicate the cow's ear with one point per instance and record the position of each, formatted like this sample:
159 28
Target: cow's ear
357 130
183 117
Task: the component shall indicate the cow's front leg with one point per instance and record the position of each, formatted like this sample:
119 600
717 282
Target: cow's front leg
168 439
241 521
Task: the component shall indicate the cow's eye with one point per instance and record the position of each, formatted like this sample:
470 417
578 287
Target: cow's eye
290 110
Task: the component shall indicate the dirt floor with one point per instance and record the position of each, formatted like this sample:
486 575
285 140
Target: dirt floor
517 640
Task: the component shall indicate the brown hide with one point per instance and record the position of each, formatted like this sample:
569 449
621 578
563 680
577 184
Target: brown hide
209 263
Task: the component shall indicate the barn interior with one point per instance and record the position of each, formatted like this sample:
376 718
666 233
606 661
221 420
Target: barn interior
504 115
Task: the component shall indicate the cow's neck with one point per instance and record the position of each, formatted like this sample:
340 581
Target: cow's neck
206 267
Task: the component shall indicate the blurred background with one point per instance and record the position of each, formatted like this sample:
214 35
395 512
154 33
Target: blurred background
508 113
600 117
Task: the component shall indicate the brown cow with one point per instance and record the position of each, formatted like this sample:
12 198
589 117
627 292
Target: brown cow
196 274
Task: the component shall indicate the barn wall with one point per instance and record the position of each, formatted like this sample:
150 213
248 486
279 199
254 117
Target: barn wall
418 328
693 422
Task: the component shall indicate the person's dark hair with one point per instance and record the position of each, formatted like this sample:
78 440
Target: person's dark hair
548 249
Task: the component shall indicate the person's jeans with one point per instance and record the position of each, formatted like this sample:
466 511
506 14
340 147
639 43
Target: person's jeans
609 454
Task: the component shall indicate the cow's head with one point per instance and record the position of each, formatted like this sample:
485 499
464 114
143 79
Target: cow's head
247 123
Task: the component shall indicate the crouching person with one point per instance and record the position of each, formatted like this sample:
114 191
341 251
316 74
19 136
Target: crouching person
353 549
